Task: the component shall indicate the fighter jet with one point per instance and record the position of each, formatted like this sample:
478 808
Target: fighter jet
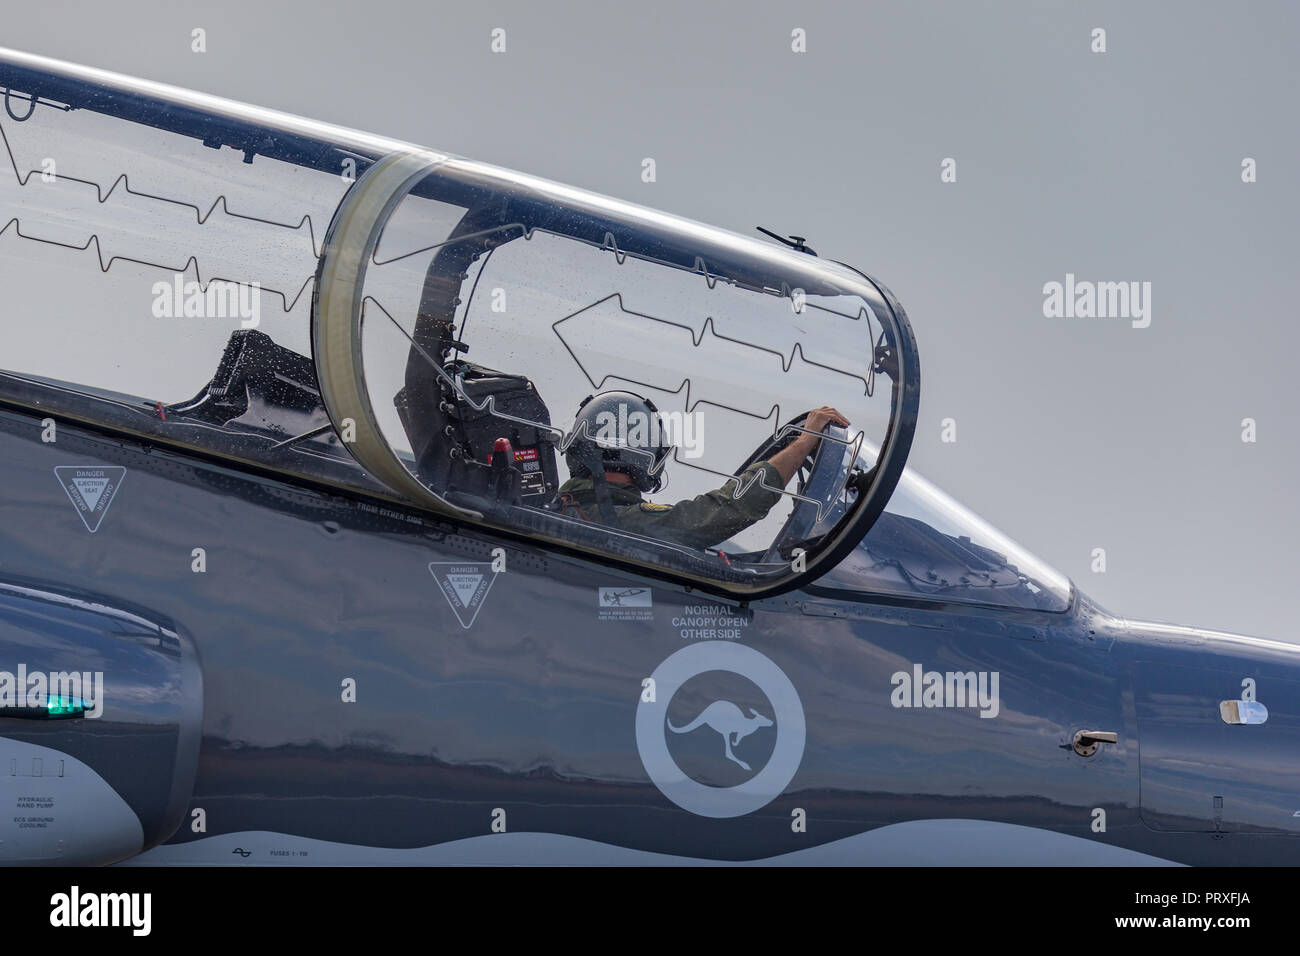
363 503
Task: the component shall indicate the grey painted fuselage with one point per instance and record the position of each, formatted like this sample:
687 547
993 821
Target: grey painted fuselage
349 713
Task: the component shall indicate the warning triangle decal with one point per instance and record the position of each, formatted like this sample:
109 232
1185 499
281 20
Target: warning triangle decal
90 488
465 586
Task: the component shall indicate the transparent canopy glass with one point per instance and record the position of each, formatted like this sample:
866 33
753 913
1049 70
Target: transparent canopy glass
928 546
367 313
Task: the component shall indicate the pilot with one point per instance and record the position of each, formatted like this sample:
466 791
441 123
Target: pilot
615 457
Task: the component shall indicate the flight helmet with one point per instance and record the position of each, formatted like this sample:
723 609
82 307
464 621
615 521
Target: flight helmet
624 434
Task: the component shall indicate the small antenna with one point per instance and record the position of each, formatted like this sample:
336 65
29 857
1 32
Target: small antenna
794 242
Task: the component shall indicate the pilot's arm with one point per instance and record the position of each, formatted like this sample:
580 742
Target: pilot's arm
789 458
708 519
713 517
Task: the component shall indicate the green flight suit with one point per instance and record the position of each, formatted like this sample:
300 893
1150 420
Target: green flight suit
700 522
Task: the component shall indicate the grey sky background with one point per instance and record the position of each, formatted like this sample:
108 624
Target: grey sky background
1072 434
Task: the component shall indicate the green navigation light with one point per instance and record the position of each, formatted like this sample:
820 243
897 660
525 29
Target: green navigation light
65 706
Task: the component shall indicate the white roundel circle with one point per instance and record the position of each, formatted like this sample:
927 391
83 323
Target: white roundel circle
770 781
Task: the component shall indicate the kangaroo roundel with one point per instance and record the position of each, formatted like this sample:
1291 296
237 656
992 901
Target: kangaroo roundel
723 727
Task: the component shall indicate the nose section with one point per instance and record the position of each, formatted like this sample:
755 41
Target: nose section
1211 641
1218 731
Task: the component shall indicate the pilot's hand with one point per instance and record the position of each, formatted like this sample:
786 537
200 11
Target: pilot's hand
817 421
788 460
819 418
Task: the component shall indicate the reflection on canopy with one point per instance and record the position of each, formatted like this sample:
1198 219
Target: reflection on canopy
562 315
927 545
456 310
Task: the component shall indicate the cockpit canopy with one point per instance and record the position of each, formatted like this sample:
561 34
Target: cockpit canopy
435 343
494 307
